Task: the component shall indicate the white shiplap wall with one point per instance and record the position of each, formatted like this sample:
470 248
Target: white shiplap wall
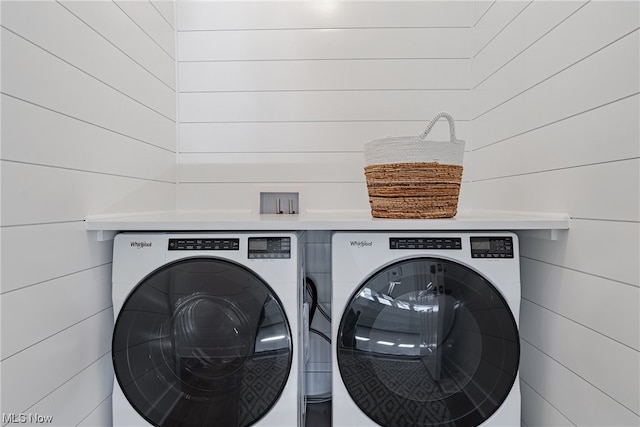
88 126
287 93
555 128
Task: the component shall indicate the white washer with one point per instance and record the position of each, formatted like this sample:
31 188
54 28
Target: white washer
207 329
426 329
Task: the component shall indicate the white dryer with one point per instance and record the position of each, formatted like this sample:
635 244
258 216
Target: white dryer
206 329
427 329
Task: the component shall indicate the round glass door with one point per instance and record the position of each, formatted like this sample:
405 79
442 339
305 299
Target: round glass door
202 342
428 342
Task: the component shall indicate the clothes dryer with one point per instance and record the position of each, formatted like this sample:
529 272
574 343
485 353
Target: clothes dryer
427 329
207 329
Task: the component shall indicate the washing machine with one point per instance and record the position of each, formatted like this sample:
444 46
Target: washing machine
207 330
427 329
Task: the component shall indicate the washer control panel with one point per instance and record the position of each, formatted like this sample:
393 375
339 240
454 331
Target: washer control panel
269 247
425 243
204 244
491 247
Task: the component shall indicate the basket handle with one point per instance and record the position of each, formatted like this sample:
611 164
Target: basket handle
452 126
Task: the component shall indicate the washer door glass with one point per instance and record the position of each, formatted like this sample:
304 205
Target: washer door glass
202 342
428 342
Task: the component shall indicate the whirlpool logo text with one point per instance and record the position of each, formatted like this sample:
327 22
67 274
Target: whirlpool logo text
140 245
361 243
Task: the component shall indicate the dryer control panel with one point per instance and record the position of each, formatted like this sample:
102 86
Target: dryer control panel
491 247
269 247
425 243
204 244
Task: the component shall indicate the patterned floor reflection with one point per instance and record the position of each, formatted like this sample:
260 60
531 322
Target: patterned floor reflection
395 392
263 380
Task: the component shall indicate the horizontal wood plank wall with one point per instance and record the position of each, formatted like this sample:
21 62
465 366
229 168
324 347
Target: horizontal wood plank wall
88 126
555 128
287 93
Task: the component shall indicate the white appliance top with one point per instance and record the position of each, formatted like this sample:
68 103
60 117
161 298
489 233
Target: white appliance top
361 220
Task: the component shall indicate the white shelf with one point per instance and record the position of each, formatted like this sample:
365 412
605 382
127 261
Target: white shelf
545 225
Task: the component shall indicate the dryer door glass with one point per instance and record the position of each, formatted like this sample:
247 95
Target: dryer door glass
202 342
428 342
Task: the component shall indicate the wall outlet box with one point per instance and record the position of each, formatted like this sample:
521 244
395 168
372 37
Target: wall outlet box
285 200
279 203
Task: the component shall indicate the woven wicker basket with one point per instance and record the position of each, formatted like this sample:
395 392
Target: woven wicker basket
409 177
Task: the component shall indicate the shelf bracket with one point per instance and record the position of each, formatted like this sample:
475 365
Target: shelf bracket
549 234
105 235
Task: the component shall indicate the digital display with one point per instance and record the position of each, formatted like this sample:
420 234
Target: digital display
480 245
492 247
258 244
